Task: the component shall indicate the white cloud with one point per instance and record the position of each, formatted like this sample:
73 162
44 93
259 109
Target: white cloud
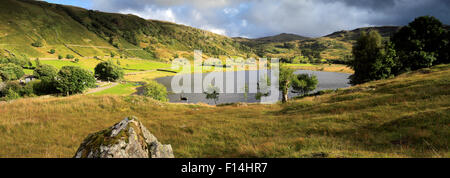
244 23
231 11
153 13
215 30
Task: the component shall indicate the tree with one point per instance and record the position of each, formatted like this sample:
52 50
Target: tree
212 93
10 86
285 81
301 83
389 63
11 71
305 83
70 56
372 60
60 57
288 45
156 91
45 85
12 95
28 89
422 43
444 52
108 71
45 70
286 60
37 44
52 51
21 61
13 90
73 79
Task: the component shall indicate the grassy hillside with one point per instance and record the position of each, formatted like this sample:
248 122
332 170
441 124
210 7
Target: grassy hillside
87 33
408 116
333 48
22 24
351 36
284 37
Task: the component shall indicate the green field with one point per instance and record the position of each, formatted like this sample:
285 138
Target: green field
120 89
129 65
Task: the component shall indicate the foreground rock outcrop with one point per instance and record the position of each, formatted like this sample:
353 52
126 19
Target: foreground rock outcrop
126 139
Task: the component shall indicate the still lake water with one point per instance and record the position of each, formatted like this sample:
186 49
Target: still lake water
327 80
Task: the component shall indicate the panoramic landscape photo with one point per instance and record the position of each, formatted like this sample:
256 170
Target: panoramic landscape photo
224 79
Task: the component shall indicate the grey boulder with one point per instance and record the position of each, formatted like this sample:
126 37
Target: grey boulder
126 139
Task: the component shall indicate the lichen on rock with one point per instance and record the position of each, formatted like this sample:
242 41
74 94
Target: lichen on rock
126 139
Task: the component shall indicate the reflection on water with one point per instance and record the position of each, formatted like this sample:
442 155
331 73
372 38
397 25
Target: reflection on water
327 80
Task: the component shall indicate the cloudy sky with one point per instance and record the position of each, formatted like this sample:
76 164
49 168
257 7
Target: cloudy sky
258 18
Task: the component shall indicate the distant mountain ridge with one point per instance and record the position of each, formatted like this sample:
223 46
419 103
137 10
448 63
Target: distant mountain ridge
283 37
334 47
385 31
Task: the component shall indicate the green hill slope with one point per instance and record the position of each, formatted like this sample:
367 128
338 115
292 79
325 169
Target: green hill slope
87 33
385 31
284 37
22 24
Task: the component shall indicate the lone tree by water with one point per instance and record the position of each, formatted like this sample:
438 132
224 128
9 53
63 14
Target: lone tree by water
305 83
212 93
302 83
285 79
156 91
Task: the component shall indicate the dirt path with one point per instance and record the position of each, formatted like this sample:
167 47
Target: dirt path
99 89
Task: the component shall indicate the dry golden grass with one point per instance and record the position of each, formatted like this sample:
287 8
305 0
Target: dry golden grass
408 116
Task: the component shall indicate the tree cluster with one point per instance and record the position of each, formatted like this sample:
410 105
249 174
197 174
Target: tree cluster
108 71
421 44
